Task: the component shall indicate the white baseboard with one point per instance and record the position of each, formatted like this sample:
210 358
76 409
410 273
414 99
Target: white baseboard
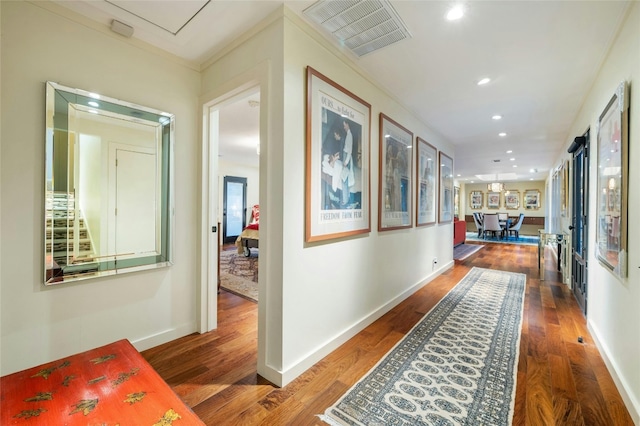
632 405
282 378
164 337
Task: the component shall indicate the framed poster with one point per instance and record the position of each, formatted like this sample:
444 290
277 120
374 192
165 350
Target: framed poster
476 199
613 175
531 199
512 200
337 161
493 200
394 198
446 188
426 166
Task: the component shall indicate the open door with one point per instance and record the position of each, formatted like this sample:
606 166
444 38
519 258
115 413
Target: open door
579 215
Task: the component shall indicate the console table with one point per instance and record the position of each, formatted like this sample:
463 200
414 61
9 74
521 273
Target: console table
559 238
109 385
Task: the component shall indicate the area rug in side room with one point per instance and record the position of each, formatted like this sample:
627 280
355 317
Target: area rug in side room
239 274
240 286
457 366
462 251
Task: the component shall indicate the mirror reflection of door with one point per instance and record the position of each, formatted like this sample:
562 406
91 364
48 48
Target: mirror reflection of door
234 207
579 218
135 202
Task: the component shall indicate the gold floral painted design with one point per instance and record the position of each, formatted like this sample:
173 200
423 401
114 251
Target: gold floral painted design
96 380
103 358
169 417
132 398
67 380
46 372
123 377
85 406
27 414
40 396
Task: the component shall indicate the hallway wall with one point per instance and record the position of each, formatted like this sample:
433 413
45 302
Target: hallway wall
612 312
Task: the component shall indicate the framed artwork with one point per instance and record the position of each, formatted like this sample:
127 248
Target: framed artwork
456 201
512 200
476 199
531 199
337 161
493 200
613 177
426 167
564 189
446 188
394 198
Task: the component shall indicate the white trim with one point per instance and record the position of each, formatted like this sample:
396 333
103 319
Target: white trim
164 337
622 385
304 364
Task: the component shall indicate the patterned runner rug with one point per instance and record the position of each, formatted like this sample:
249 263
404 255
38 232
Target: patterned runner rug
457 366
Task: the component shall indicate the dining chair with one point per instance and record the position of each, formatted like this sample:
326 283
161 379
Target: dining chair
492 224
502 217
516 228
478 221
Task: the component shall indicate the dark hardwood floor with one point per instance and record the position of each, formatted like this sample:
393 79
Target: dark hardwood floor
560 381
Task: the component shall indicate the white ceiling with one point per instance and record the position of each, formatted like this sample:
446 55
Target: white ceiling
542 57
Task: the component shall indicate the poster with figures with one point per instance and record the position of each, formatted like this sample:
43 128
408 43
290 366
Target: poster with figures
394 197
337 161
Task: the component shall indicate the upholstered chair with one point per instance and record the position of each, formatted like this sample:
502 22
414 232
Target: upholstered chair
515 229
478 220
491 224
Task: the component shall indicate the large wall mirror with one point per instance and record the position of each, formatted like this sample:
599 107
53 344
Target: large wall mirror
108 189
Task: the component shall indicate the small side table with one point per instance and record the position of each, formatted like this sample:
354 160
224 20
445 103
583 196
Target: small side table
559 238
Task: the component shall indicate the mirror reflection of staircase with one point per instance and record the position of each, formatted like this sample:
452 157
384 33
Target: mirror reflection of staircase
61 232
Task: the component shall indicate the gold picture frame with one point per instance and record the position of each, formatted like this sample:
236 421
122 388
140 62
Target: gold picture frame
531 199
512 200
476 200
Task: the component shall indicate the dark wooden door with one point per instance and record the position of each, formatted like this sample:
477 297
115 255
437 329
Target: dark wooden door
579 221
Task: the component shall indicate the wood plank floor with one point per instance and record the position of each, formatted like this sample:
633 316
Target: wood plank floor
560 381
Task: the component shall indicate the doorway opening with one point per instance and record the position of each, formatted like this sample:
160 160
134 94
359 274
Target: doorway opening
231 188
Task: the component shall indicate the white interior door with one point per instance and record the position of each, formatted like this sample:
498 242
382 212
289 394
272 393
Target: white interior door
135 202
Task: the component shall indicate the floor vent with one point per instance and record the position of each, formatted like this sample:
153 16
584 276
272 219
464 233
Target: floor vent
363 26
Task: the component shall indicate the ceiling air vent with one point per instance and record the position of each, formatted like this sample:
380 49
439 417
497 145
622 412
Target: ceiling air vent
361 25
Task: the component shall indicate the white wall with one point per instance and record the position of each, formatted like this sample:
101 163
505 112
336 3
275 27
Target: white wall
38 323
613 315
333 289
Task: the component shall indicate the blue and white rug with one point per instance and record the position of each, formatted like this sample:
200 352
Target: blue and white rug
527 240
457 366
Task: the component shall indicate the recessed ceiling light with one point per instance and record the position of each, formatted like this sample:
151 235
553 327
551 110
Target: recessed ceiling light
530 178
509 151
455 13
515 165
473 181
533 171
512 159
459 175
502 134
497 117
93 104
483 81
